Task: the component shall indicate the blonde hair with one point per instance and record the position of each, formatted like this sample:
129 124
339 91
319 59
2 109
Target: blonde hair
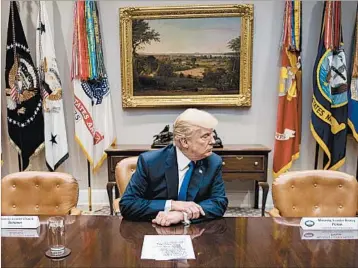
190 121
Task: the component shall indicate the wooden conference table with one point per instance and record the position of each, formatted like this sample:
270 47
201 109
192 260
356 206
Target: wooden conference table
109 241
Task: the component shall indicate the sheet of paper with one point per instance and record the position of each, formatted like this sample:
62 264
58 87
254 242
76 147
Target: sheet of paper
167 247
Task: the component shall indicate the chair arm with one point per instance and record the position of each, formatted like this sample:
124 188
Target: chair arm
274 212
75 211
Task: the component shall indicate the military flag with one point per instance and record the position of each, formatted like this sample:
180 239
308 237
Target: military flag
329 104
56 148
94 126
288 125
24 105
353 92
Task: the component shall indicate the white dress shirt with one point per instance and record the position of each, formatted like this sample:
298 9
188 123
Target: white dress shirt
183 167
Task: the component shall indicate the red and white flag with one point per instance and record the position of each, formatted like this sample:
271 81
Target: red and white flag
94 127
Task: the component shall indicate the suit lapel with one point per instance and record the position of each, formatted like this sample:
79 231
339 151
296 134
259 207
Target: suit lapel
196 180
171 174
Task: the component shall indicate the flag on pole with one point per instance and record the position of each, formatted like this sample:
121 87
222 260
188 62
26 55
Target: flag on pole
94 126
56 148
353 92
329 104
24 105
288 125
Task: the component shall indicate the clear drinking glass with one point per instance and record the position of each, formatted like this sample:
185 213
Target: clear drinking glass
58 263
56 235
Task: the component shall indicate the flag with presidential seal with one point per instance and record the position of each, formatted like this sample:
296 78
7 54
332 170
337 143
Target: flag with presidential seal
56 148
329 104
24 104
94 127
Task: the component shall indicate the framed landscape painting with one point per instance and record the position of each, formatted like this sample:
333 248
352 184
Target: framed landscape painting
186 56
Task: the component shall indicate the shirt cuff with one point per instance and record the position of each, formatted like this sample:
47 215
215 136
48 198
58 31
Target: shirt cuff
186 221
168 205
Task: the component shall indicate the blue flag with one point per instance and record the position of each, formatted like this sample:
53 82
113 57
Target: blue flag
353 92
329 104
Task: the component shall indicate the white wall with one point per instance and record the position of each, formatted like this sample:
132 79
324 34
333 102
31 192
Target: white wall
254 125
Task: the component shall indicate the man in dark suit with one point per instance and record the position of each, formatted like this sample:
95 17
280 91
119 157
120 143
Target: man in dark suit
181 182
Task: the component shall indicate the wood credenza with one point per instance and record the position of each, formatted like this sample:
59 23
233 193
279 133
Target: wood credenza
240 162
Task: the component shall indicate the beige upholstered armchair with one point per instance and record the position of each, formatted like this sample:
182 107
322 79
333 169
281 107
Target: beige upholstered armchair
315 193
124 170
39 193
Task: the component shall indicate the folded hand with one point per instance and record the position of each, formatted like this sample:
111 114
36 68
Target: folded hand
168 218
192 209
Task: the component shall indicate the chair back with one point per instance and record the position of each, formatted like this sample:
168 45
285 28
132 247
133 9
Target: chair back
315 193
38 193
124 170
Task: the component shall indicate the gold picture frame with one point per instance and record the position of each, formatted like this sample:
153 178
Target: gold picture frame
143 91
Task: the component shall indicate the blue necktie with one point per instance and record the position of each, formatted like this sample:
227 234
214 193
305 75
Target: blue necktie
184 186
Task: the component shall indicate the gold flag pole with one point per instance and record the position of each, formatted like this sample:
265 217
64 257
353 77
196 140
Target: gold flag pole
89 186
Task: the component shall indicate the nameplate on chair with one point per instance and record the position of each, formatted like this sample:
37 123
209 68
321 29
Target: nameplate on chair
328 223
19 222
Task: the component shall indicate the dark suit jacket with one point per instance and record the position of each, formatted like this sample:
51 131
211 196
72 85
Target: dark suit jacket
156 180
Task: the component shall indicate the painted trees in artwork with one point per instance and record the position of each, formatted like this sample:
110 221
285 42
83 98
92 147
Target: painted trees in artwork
226 78
190 73
234 62
142 34
235 44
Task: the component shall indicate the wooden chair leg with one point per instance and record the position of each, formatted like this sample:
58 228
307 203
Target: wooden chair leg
110 186
265 188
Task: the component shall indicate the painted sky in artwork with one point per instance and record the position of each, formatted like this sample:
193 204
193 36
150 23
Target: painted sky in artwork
199 35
